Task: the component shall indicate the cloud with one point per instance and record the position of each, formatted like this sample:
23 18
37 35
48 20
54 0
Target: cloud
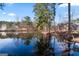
11 14
10 4
4 13
75 4
65 4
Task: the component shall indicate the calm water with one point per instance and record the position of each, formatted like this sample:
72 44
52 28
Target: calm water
33 46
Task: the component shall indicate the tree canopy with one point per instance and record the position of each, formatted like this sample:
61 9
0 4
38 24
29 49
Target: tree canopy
27 20
44 13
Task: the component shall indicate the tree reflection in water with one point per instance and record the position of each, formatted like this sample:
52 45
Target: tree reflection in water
44 45
26 39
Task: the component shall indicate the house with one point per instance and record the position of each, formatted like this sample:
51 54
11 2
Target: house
3 27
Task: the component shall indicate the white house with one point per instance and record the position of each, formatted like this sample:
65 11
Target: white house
3 27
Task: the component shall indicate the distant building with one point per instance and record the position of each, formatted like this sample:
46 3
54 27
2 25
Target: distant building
3 27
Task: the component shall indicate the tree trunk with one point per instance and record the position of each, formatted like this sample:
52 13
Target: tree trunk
69 18
69 27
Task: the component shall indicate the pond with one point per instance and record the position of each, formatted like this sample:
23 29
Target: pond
30 45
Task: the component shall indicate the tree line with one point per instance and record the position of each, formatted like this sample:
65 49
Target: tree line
44 15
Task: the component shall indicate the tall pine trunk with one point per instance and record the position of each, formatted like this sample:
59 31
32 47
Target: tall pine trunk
69 27
69 18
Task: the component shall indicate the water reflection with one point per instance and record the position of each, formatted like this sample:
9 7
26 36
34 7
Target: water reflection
32 45
3 33
17 46
62 48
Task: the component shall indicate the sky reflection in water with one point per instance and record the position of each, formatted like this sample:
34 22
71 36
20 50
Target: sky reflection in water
28 46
